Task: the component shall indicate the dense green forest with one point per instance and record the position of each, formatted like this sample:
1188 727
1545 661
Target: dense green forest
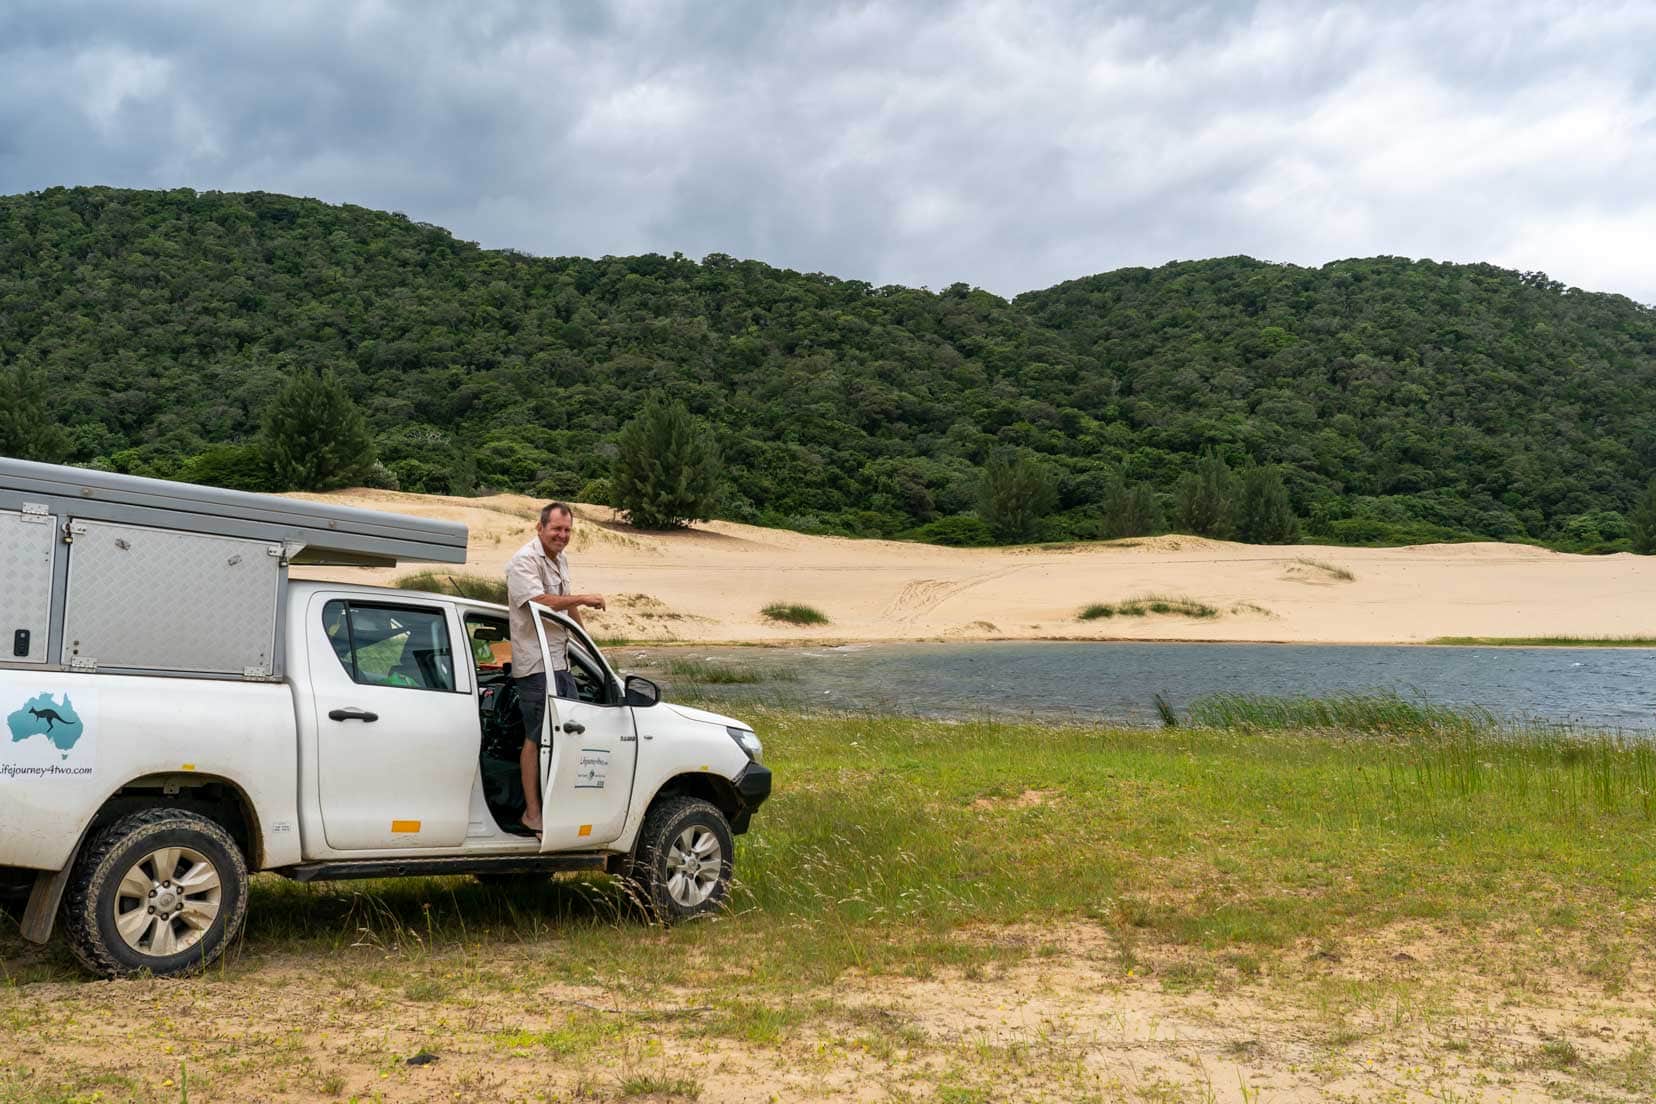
1402 400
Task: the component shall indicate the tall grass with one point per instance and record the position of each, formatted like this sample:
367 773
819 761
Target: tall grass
794 613
1369 713
1333 571
1548 641
1434 753
484 588
1147 604
1266 824
712 672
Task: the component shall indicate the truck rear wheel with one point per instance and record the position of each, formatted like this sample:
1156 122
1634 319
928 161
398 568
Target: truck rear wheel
160 890
684 860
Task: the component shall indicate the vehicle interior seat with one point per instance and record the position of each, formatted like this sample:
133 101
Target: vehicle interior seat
502 744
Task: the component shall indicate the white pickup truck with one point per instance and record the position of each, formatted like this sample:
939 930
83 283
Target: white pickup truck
179 714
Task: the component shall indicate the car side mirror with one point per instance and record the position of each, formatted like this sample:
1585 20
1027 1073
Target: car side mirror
641 691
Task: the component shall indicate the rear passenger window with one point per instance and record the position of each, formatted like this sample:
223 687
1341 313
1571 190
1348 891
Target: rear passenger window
390 645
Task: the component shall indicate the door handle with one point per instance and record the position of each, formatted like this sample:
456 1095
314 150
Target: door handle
573 728
352 714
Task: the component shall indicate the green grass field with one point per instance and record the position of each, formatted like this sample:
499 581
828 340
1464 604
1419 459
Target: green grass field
1281 860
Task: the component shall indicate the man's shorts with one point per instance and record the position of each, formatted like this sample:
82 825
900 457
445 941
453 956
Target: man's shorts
532 699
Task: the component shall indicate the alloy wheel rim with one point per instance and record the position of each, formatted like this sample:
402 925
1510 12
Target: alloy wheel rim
167 901
694 864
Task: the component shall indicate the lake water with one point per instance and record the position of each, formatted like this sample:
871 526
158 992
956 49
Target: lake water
1608 688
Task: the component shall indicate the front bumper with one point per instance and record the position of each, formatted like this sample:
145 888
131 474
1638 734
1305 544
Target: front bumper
753 785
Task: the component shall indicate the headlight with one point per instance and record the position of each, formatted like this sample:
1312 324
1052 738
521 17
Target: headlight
748 742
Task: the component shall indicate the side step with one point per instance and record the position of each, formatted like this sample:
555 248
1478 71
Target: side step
335 870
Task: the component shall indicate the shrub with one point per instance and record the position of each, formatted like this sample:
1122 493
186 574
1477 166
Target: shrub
243 467
559 485
959 531
1368 530
1595 527
426 460
598 492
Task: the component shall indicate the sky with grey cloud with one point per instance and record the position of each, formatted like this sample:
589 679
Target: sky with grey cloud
1006 145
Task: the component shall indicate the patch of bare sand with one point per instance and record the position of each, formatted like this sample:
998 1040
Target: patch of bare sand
1066 1013
1026 800
718 575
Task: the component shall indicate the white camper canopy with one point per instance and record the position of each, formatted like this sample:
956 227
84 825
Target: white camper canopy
107 572
313 532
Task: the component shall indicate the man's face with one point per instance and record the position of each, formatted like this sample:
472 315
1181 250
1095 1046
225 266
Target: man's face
554 535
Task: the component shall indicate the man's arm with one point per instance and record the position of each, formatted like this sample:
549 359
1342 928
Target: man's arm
569 603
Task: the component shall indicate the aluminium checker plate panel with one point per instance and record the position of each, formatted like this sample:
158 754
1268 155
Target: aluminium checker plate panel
166 600
28 540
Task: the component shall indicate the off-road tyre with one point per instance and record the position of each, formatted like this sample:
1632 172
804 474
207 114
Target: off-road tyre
123 854
684 860
16 884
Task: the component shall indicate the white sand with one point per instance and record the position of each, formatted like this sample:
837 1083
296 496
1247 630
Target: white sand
709 583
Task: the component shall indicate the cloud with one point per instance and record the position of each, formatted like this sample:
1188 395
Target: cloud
1006 145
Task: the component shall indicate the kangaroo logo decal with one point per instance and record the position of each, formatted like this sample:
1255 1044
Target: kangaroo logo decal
50 716
53 720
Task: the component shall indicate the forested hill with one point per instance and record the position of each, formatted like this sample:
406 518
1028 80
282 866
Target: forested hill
1402 399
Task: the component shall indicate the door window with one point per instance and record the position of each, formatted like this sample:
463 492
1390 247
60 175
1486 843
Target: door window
391 645
491 643
591 684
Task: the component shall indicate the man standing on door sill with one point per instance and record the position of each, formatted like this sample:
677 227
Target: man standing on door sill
539 575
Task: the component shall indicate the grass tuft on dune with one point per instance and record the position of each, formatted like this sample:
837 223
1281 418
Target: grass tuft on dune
484 588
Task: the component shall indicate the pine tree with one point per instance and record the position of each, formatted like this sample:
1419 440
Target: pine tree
1206 498
27 431
1263 513
1641 523
1016 493
1128 511
667 468
315 438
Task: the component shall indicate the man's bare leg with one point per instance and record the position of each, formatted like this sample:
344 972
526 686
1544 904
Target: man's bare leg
529 761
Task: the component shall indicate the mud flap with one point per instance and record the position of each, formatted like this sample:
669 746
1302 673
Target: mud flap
41 912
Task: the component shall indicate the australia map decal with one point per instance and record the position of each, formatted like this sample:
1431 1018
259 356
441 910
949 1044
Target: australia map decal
55 721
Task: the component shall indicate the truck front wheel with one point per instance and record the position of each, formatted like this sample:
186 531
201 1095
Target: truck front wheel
160 890
683 865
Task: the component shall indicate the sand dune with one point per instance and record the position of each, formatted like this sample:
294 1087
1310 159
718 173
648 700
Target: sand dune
709 583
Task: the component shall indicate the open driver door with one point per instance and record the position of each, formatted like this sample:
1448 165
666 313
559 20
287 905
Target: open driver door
588 748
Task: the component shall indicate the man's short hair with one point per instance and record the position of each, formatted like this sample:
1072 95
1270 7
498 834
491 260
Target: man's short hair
555 507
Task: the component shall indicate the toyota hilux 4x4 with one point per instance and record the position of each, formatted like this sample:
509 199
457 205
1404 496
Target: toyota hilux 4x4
180 714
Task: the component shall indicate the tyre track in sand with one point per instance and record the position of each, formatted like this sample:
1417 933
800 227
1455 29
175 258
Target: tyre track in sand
921 596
